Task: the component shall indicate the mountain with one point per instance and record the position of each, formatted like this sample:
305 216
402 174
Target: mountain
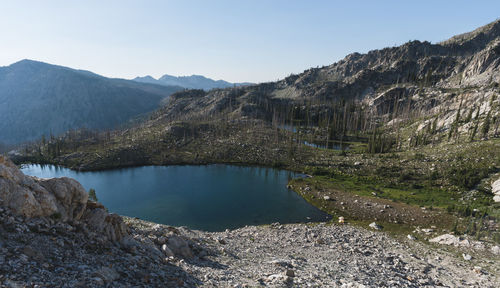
392 99
189 82
408 82
40 99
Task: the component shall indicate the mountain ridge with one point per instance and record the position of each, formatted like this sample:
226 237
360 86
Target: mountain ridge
43 99
190 82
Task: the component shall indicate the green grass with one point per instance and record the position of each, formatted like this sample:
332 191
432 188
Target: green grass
367 185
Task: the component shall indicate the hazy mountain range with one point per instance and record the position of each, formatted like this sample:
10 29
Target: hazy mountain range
189 82
41 99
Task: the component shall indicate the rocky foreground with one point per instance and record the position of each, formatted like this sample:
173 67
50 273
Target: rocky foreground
51 236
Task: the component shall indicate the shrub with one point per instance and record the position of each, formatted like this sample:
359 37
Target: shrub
466 175
92 195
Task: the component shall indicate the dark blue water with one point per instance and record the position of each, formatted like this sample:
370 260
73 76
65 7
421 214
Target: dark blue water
212 197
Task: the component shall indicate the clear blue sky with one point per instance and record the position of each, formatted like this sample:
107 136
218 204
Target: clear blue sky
235 40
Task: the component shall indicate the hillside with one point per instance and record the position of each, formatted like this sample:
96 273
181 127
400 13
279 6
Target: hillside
418 77
42 99
189 82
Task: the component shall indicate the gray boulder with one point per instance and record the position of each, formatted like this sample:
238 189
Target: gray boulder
33 197
71 197
64 198
104 223
179 247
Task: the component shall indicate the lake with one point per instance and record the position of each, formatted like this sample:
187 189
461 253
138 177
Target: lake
210 197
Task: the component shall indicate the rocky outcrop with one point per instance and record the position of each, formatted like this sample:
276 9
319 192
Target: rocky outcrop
24 195
109 225
62 199
70 196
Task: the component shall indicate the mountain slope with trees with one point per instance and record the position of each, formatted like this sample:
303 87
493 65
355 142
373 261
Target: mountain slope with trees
41 99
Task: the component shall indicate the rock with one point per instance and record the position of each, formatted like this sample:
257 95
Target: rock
411 237
290 273
179 247
29 196
495 189
495 250
341 220
326 198
71 197
467 257
109 225
107 274
375 226
128 242
167 251
448 239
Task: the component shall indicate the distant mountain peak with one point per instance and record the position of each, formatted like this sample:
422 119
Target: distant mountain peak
189 82
41 99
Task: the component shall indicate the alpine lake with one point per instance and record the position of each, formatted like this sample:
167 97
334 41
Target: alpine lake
207 197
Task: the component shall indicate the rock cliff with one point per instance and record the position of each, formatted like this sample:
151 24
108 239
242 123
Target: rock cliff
62 199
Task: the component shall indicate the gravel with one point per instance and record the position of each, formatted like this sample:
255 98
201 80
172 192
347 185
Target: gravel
41 252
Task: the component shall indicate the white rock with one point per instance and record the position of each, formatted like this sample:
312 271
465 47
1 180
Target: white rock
495 189
446 239
167 251
467 257
375 226
495 250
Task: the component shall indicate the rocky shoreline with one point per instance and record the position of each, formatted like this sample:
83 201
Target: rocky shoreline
52 236
40 252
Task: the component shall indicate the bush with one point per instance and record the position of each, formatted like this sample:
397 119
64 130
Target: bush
92 195
466 175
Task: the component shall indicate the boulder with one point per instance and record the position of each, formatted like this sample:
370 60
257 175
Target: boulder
32 197
62 198
102 222
70 195
495 189
448 239
375 226
495 250
179 247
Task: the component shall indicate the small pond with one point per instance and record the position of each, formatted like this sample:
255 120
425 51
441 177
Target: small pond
211 197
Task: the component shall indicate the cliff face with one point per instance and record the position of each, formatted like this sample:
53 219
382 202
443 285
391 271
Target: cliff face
63 199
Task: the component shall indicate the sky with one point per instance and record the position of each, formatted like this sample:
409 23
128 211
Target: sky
235 40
